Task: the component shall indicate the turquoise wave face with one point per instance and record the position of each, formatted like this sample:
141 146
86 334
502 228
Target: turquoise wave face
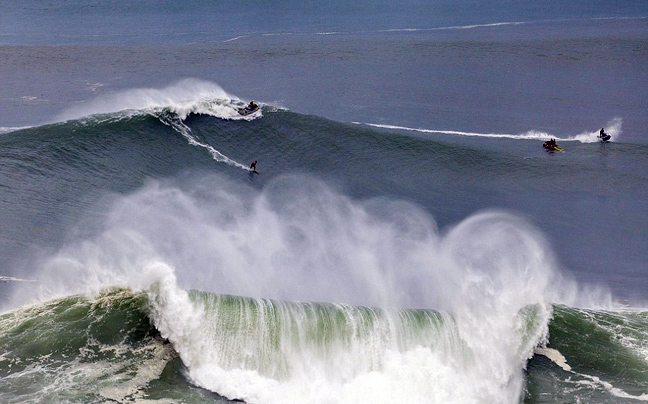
81 350
276 338
597 356
89 349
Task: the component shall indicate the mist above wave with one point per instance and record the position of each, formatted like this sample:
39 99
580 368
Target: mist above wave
185 97
299 239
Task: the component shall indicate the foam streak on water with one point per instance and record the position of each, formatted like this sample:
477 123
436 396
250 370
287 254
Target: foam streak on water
613 128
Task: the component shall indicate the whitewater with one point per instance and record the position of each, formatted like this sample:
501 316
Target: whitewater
406 239
613 128
294 292
340 300
474 348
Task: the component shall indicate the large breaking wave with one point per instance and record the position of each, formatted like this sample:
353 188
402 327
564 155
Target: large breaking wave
185 97
406 312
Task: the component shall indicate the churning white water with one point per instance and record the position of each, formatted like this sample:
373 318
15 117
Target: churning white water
406 312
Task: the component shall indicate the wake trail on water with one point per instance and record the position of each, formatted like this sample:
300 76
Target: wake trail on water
613 128
179 126
7 279
423 30
585 379
171 105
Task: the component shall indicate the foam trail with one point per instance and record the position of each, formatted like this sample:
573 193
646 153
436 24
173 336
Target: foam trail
528 135
185 131
557 358
613 128
236 38
171 105
456 27
6 279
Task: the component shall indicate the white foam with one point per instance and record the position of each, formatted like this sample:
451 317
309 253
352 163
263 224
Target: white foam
362 370
594 381
188 96
555 356
300 240
457 27
6 279
7 129
171 105
613 128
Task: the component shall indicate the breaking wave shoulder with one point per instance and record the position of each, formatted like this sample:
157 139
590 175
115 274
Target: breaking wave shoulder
183 98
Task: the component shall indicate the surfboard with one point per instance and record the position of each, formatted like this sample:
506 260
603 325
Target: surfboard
254 171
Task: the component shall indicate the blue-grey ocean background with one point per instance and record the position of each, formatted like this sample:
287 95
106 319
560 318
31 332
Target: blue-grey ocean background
564 67
443 105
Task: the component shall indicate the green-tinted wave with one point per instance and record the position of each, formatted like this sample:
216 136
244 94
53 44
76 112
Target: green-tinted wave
83 350
603 358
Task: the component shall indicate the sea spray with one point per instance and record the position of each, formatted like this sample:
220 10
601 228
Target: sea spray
612 128
185 97
171 105
407 312
269 351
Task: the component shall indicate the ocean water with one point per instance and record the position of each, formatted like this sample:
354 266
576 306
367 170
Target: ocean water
406 240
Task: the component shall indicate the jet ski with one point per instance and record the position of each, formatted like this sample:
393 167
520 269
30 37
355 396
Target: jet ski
248 109
551 145
604 136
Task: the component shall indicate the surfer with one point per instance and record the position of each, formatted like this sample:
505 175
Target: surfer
253 166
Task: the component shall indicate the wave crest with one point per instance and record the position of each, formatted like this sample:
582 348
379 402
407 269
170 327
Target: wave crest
183 98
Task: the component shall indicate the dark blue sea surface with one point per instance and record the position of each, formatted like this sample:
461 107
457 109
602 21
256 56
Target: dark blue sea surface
407 237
